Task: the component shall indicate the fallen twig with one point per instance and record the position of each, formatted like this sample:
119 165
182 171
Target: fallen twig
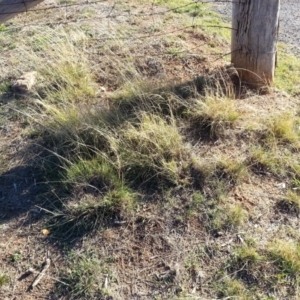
26 274
41 274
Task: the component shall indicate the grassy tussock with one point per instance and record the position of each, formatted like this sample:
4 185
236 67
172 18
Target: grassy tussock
283 128
65 77
214 114
96 171
152 149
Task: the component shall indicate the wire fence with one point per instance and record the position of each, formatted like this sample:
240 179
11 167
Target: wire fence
141 26
138 26
112 10
82 12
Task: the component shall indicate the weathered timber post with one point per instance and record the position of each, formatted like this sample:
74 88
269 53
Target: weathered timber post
10 8
254 38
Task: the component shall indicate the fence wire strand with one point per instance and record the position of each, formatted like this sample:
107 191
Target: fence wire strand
111 10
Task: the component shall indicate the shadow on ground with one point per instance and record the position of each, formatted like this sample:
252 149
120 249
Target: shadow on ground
23 185
32 184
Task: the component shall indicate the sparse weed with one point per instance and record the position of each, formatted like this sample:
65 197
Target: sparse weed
247 255
291 203
226 217
88 12
233 288
174 51
217 219
90 212
286 255
246 267
15 257
236 215
234 170
85 276
296 183
40 43
4 279
66 1
250 242
197 203
263 160
287 71
4 87
181 6
221 173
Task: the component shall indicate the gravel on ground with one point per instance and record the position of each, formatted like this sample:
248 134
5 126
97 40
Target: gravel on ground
289 32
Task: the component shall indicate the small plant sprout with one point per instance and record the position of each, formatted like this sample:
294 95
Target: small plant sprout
4 279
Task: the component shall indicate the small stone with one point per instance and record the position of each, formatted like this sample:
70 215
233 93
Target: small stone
25 82
281 185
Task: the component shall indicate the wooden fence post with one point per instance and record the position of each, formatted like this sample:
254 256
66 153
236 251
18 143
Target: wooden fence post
10 8
254 38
